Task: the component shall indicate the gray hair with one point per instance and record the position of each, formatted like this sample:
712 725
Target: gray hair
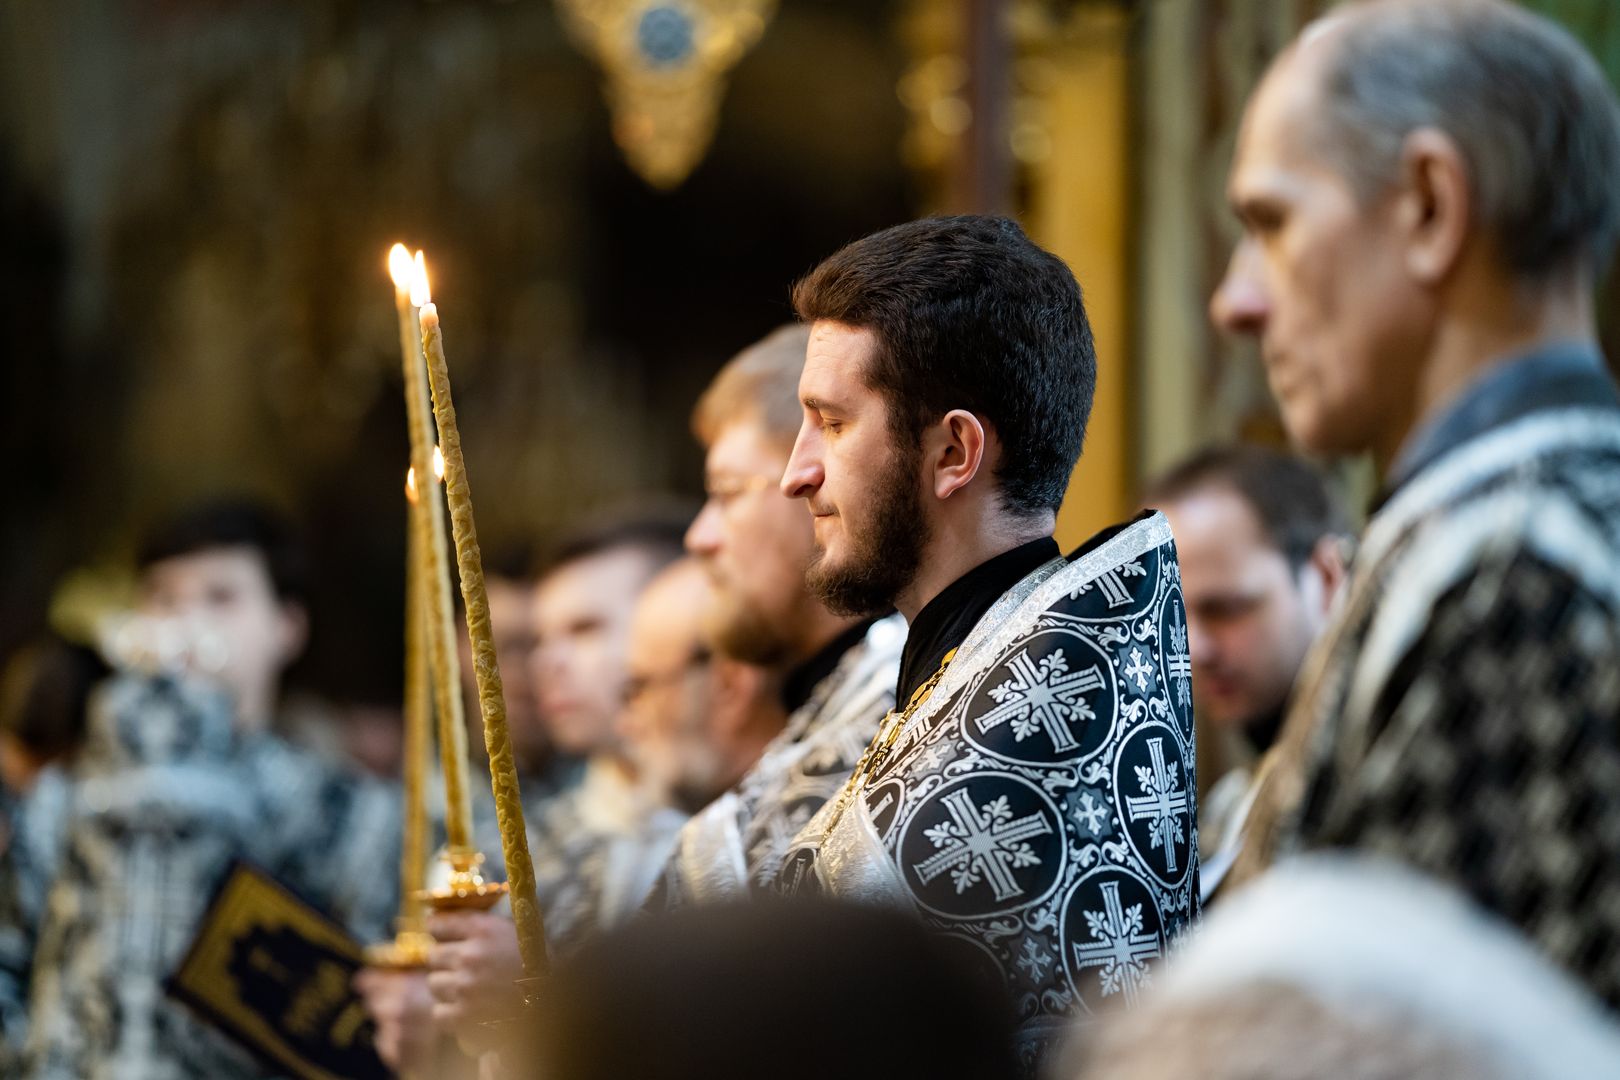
1531 112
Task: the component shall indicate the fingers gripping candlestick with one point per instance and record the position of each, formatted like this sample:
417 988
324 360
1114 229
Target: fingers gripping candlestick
491 702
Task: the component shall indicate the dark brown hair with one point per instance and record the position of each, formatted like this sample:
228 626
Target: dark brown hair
969 314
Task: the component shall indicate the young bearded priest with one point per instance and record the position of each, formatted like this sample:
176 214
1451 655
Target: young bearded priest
1032 797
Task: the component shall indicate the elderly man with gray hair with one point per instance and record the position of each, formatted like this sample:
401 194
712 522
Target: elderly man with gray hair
1427 190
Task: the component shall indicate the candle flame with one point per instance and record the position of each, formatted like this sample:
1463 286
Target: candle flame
419 282
438 474
400 266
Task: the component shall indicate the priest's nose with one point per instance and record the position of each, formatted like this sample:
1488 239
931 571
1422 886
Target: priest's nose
804 473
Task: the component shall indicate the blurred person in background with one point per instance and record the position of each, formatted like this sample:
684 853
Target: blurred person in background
836 673
690 722
544 770
695 721
180 774
1427 198
235 572
1262 543
601 841
399 1000
1344 967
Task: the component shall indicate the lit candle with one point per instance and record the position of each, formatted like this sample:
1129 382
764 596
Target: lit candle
491 702
434 566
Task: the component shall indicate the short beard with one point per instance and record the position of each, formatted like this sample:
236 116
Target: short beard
886 557
739 631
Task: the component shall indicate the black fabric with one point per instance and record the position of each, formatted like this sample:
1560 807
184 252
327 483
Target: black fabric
1261 731
802 680
948 618
1504 781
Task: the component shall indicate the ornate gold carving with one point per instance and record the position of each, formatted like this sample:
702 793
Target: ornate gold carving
665 62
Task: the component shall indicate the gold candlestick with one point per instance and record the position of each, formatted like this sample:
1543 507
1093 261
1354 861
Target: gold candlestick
491 702
433 553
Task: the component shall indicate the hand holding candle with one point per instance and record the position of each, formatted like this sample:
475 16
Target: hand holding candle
492 704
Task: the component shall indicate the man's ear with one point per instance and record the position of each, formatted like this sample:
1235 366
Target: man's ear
294 630
954 449
1329 563
736 685
1435 203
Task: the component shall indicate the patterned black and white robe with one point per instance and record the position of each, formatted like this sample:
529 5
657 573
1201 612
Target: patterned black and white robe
598 851
1038 808
737 843
1462 713
115 860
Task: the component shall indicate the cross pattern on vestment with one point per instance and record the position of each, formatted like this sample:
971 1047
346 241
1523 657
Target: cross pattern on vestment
1043 696
1163 802
1093 813
1035 959
1112 583
1121 949
1180 661
1141 671
982 845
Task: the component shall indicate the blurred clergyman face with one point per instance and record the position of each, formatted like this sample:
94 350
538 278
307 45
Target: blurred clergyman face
754 545
227 594
864 492
512 620
670 695
1317 278
582 617
1251 617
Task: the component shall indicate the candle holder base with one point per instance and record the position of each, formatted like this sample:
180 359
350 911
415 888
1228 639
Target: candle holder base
466 890
407 952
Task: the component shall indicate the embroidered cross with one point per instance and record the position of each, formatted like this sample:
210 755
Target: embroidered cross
1163 803
1121 949
1045 697
1093 813
985 845
1112 583
1180 661
1141 671
1035 959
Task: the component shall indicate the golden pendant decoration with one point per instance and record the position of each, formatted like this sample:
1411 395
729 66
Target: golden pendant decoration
665 62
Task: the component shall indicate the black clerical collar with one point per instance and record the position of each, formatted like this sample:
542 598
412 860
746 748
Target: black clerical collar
1557 376
947 619
801 682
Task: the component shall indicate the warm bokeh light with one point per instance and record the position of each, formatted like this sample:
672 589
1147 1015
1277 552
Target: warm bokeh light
438 474
400 266
420 296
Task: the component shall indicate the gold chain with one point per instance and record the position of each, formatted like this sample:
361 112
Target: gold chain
888 733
